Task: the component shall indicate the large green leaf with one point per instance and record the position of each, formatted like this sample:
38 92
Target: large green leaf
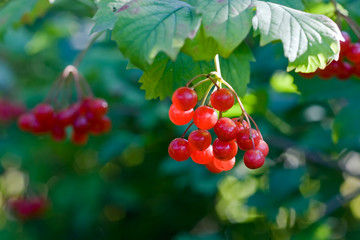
164 76
106 17
310 41
13 11
236 68
144 28
289 3
227 21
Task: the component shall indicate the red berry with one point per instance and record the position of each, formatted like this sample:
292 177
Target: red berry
203 157
307 75
356 69
263 147
67 116
38 128
101 126
224 150
205 117
254 159
353 53
28 208
98 107
344 46
25 121
217 166
79 138
58 133
199 139
85 105
179 117
184 98
345 71
225 129
179 149
44 113
81 124
222 99
243 139
325 74
240 125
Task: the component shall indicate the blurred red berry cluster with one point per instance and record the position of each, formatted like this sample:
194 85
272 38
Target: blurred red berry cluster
28 207
10 110
347 65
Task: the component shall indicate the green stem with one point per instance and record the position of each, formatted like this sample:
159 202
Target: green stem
207 94
82 54
199 83
200 75
217 66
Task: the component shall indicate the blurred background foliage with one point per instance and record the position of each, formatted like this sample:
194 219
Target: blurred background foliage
123 185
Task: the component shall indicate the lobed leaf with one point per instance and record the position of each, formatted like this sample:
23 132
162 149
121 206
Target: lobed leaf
144 28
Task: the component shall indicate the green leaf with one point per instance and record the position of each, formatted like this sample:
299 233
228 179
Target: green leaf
164 76
289 3
144 28
309 40
201 47
12 12
105 16
227 21
236 69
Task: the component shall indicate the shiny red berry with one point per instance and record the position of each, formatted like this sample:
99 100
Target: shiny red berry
345 71
203 157
353 53
179 117
345 45
66 116
224 150
244 141
199 139
44 113
225 129
25 121
205 117
184 98
263 147
222 99
254 159
179 149
98 107
81 124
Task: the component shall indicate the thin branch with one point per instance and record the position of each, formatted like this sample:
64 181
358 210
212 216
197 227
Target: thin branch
82 54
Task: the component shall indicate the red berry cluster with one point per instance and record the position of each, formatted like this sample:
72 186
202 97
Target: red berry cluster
85 117
10 110
341 69
231 133
28 208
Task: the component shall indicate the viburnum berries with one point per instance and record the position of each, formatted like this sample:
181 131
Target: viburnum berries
231 133
86 116
28 207
341 69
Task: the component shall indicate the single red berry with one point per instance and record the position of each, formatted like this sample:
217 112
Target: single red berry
307 75
28 208
217 166
184 98
345 72
81 124
44 113
254 159
85 104
179 149
222 99
224 150
212 168
25 121
353 53
199 139
325 74
67 116
203 157
98 107
344 46
263 147
38 128
244 141
58 132
103 125
240 125
179 117
225 129
79 138
205 117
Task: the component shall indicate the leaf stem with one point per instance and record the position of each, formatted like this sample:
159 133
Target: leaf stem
198 76
354 26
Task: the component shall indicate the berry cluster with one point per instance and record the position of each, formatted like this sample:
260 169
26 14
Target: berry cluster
10 110
341 69
231 133
86 116
28 208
